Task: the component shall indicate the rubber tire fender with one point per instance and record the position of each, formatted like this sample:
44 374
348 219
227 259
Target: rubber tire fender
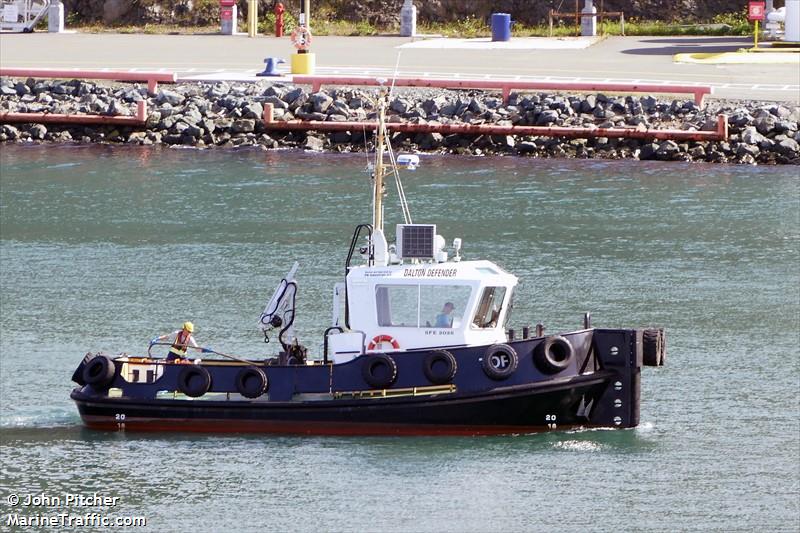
99 372
553 354
432 360
372 363
194 381
490 357
654 347
252 382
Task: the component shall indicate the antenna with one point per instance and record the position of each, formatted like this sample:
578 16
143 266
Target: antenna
396 71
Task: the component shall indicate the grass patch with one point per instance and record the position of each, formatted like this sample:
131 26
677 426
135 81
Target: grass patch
325 23
733 24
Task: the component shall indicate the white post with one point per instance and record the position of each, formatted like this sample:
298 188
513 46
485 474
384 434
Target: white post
408 19
791 25
589 19
55 17
771 26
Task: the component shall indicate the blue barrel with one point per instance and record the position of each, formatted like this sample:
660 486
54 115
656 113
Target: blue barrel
501 27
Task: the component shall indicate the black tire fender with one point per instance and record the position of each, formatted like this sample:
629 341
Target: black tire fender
251 382
379 370
653 347
440 367
194 381
500 361
99 372
553 354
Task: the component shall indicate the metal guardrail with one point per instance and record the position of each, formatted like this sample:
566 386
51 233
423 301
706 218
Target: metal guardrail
137 120
152 78
316 82
721 132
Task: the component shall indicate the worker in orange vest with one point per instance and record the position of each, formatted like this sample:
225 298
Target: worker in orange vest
181 340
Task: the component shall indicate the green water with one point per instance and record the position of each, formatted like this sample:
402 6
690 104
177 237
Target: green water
101 249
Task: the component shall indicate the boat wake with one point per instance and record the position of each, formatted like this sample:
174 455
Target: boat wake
65 418
578 446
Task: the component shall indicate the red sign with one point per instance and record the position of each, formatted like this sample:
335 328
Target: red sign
755 10
226 13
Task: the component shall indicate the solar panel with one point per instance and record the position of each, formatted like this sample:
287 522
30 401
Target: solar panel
415 241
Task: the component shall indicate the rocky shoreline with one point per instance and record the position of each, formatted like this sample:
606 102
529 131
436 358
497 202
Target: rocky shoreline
229 115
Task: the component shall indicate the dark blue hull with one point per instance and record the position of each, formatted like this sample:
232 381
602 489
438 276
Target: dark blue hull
598 387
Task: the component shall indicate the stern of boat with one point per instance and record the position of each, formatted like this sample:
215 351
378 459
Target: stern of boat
623 352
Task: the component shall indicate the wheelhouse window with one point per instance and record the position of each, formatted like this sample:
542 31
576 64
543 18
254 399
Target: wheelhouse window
442 306
425 306
490 306
398 305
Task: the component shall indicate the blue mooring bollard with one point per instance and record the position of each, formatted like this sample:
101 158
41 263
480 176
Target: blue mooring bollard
272 67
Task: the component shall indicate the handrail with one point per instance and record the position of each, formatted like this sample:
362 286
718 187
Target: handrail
202 350
138 120
28 22
505 86
325 341
572 132
152 78
370 261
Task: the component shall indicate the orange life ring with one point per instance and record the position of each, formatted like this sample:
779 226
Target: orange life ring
378 339
301 38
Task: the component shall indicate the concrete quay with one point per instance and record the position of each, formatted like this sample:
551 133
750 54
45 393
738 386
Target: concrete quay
642 60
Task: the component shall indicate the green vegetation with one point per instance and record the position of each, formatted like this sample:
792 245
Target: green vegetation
724 24
324 22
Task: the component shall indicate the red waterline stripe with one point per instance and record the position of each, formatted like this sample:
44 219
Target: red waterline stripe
302 428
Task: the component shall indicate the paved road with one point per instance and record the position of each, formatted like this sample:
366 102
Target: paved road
618 59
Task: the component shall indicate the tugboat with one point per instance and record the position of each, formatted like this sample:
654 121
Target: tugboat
421 347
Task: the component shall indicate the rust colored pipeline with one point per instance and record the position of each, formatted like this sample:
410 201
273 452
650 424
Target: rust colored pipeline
720 134
53 118
152 78
699 92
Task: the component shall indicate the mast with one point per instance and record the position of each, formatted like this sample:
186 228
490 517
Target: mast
377 203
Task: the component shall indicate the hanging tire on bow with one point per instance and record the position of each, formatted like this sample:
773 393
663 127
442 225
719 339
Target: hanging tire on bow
194 381
553 354
440 367
500 361
99 372
378 340
252 382
379 371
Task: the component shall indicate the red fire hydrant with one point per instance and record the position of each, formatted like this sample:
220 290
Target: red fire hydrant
279 9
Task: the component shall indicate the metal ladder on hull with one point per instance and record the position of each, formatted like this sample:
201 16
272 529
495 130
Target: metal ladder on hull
22 15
